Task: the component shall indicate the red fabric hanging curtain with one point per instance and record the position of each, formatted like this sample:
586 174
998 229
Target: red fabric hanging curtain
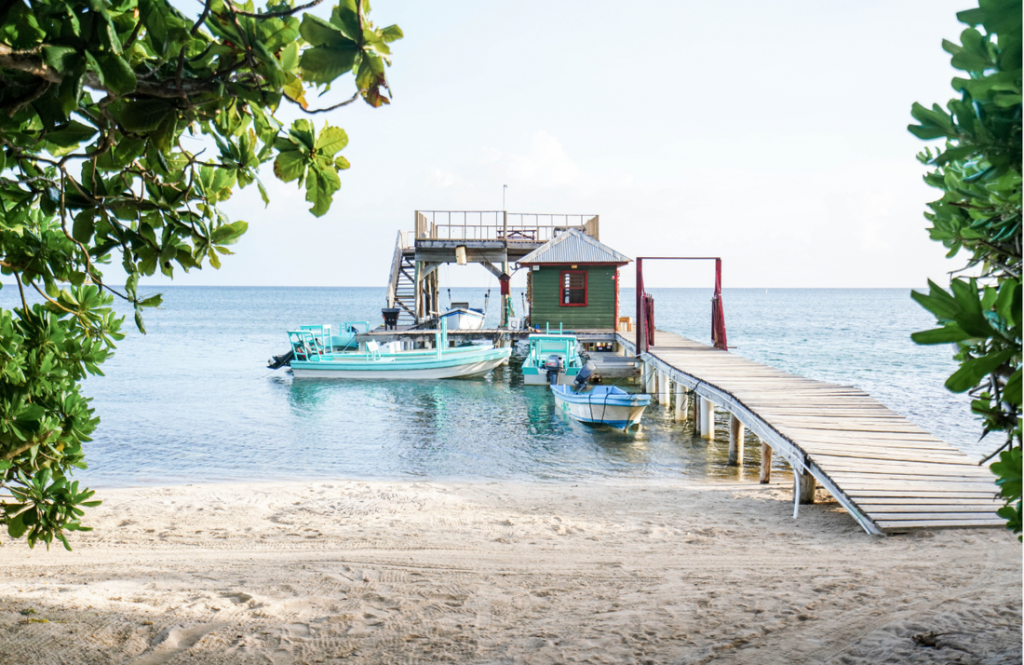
717 313
649 318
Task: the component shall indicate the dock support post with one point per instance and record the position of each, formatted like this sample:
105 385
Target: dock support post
766 463
663 394
804 484
707 419
735 441
682 400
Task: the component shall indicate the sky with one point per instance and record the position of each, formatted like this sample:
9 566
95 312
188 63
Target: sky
772 134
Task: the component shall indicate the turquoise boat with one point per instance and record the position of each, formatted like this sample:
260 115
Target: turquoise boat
313 356
552 359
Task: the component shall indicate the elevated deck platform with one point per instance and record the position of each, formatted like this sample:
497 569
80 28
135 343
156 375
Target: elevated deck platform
891 475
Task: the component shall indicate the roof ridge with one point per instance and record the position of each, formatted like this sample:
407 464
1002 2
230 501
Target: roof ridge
609 254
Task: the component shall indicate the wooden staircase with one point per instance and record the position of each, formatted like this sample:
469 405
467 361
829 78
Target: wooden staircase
402 285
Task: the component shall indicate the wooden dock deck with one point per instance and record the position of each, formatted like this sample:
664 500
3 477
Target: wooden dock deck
891 475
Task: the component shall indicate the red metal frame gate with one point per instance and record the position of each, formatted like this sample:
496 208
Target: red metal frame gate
645 304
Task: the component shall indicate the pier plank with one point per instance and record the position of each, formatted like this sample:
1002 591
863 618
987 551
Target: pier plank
890 474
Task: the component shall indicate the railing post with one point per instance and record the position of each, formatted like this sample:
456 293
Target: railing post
640 335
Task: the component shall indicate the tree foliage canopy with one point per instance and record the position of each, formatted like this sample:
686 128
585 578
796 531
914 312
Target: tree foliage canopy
978 172
123 125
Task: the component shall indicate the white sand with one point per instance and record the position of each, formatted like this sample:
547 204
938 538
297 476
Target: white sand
392 572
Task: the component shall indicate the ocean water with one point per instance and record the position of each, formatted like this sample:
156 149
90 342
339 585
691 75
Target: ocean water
192 402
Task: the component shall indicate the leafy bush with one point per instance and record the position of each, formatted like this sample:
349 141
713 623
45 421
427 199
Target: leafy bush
97 102
979 174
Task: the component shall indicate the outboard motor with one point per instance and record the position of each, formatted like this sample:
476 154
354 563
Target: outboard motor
553 367
586 372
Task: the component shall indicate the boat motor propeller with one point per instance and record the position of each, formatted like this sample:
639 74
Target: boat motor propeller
586 372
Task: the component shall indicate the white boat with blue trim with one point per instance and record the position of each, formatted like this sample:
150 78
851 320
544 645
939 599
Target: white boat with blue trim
313 357
599 405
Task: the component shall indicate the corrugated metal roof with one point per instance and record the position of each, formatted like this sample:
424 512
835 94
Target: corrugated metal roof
574 246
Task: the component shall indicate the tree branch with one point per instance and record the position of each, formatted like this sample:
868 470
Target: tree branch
17 451
202 18
31 63
281 14
329 108
28 98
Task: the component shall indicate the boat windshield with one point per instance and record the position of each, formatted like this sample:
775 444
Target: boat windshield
564 346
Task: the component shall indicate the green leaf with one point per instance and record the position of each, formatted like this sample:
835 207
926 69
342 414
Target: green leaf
290 56
1008 303
319 32
971 316
118 77
321 184
16 526
61 58
228 234
84 227
331 140
1009 470
290 165
950 333
391 33
145 115
263 193
974 370
1012 389
323 64
71 134
31 412
344 15
155 15
152 301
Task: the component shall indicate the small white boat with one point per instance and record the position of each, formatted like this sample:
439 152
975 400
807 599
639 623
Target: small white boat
600 405
463 317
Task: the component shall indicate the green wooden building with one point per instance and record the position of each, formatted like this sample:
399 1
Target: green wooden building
573 281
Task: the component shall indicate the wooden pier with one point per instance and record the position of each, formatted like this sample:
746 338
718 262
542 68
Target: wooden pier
891 475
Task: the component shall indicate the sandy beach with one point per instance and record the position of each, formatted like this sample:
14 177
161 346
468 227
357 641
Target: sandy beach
410 572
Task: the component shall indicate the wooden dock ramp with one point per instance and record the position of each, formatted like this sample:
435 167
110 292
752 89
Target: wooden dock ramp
891 475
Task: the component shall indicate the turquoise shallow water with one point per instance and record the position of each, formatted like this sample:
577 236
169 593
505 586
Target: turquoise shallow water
191 401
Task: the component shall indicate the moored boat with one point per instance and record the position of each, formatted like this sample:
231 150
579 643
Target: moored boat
552 358
313 358
602 405
463 317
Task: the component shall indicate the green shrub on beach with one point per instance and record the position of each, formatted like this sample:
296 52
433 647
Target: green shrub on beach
123 123
979 173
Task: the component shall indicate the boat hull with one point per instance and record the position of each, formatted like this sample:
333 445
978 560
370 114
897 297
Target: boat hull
460 366
619 411
533 376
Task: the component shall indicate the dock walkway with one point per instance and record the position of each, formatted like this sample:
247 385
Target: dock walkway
891 475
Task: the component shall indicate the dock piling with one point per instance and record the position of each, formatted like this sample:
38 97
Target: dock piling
804 486
707 419
663 392
766 463
682 400
736 431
